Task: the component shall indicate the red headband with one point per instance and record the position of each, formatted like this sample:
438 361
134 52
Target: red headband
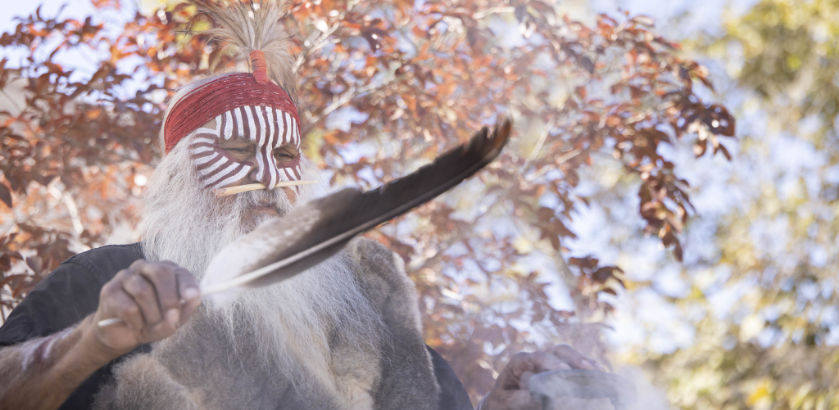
224 94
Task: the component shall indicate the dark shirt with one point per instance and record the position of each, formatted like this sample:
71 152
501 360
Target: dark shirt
71 292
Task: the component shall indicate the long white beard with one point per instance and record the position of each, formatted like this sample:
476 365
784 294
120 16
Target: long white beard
184 223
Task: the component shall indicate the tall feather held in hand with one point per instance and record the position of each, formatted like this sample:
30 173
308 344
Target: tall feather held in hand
282 248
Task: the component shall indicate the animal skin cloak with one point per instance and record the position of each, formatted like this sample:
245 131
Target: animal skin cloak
184 372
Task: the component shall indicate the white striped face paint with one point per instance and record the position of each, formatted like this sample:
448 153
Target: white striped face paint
265 127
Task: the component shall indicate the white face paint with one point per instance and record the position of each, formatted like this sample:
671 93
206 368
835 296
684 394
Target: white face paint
267 127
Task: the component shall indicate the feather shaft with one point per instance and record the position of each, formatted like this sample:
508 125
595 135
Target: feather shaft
312 233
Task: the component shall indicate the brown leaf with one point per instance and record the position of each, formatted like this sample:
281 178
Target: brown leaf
5 195
35 263
586 63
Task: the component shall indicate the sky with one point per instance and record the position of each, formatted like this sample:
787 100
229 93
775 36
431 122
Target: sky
678 17
79 9
12 9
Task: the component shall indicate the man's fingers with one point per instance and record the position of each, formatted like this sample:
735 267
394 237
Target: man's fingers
153 298
189 293
122 305
160 330
599 366
523 363
143 293
524 381
560 357
538 362
509 377
113 301
165 283
576 360
512 386
546 362
187 287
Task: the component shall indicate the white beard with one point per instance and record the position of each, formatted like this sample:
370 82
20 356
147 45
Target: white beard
184 223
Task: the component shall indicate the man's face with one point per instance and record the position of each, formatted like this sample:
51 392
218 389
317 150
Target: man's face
242 150
249 145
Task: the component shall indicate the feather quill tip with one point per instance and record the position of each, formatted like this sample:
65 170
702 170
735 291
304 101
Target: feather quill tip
224 298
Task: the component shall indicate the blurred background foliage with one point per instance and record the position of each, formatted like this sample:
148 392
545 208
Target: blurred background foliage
755 303
618 140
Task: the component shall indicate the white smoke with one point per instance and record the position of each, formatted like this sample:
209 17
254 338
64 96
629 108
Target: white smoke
648 397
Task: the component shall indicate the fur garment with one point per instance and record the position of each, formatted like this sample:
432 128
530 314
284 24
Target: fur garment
204 366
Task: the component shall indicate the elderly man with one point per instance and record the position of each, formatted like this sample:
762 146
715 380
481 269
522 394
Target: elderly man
343 335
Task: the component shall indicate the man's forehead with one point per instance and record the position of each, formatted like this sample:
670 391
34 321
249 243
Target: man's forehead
212 124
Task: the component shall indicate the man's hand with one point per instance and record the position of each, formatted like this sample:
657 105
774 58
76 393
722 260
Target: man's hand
511 391
152 298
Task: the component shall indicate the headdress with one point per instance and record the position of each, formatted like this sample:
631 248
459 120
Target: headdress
243 105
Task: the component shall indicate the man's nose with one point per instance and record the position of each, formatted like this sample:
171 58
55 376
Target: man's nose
252 176
266 174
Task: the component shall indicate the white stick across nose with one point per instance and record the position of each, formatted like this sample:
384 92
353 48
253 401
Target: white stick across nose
253 187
